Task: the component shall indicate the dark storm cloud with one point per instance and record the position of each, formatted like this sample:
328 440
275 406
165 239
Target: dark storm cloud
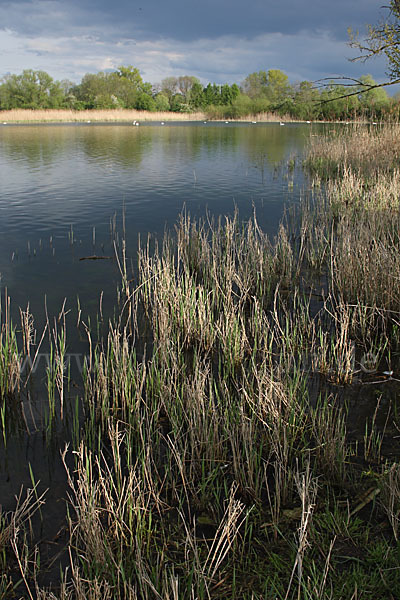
185 20
215 40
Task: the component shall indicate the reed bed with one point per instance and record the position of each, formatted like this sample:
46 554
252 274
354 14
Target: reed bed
365 150
28 115
358 217
99 116
208 468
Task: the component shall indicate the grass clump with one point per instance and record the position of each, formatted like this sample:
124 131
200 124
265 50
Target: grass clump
10 362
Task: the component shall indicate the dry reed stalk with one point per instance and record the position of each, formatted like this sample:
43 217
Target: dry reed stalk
267 117
334 350
28 330
109 510
80 588
14 526
221 544
390 497
225 536
21 516
10 360
329 431
307 489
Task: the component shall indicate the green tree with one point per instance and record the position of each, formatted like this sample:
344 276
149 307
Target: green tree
162 102
372 99
123 88
229 93
145 102
131 88
306 105
337 104
278 88
255 84
185 85
94 88
31 89
132 75
169 86
178 103
240 107
196 96
210 96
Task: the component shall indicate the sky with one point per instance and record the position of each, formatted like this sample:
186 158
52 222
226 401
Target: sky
219 41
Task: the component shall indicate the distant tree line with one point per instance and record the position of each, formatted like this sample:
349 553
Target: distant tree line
262 91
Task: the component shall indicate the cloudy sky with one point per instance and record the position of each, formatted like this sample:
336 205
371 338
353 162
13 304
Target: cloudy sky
216 40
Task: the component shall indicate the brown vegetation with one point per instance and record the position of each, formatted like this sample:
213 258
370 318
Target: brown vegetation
98 116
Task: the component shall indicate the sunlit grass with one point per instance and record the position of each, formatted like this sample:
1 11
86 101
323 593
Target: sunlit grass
99 116
127 116
365 150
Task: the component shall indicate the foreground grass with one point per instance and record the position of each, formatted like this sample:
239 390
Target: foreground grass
225 458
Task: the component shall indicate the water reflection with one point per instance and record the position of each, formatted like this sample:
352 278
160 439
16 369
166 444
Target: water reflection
38 146
125 145
63 181
110 146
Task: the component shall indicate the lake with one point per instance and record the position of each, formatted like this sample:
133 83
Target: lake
64 186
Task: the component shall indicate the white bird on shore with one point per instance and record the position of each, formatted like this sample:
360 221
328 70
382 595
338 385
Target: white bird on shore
281 124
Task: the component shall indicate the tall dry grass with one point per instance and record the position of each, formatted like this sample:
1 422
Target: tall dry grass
124 115
356 216
365 150
211 432
99 116
209 447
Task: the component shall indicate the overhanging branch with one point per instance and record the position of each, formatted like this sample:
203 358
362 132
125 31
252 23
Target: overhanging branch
365 87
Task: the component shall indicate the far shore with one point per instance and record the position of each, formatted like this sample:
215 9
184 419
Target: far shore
27 116
120 115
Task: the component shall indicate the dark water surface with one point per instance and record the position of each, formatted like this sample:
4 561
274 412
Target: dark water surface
64 189
58 182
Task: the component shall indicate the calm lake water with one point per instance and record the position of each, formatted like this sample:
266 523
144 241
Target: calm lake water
62 185
64 189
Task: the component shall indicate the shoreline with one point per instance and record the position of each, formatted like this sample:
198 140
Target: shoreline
56 116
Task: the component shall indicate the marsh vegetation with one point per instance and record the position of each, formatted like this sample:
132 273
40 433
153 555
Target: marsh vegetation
238 431
83 116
